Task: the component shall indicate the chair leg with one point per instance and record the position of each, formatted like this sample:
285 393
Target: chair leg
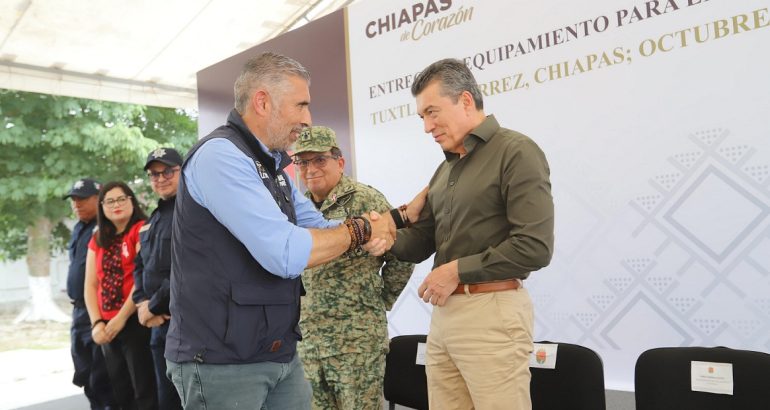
391 406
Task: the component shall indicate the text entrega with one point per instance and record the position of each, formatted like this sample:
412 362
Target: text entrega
712 377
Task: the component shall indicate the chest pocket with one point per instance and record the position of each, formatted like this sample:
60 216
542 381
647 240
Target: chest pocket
336 212
156 250
164 254
341 209
145 245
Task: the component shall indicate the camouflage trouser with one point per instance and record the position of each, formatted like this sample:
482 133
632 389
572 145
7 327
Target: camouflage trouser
351 381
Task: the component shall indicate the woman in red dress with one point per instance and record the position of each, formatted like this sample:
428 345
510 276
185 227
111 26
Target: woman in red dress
108 287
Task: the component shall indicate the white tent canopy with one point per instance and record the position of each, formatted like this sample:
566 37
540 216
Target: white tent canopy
141 51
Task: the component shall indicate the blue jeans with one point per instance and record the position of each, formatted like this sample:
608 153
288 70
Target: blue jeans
265 385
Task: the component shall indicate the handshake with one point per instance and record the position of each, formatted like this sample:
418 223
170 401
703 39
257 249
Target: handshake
382 228
383 233
372 232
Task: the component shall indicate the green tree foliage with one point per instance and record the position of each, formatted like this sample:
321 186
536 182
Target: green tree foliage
47 142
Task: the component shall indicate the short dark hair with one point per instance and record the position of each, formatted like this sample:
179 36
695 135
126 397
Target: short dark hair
336 152
269 70
107 232
455 77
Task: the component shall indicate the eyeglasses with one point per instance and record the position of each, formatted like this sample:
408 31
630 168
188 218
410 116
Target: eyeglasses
167 174
119 201
318 162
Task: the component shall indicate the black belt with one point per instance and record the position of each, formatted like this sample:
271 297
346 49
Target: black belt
78 303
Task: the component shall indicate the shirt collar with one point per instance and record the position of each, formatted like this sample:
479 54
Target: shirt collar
344 187
280 158
481 134
80 225
276 155
167 202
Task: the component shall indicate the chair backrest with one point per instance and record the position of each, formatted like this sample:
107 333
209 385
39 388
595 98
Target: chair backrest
663 379
576 383
405 381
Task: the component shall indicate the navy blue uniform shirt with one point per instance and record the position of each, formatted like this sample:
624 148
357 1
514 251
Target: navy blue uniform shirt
78 248
153 262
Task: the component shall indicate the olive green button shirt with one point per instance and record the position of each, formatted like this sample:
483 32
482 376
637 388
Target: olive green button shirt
491 210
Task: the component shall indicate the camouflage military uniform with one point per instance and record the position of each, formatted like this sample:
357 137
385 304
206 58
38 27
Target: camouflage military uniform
343 314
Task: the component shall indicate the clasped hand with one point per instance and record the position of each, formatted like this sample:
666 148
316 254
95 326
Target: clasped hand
384 228
103 333
383 233
147 318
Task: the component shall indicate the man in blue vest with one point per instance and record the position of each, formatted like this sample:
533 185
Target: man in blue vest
90 372
242 235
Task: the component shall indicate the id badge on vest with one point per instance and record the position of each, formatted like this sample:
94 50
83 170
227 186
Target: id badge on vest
277 186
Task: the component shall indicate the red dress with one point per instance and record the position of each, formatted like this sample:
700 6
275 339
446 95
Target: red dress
123 284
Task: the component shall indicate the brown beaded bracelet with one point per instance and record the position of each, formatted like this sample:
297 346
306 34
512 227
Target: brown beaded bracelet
366 228
352 231
360 231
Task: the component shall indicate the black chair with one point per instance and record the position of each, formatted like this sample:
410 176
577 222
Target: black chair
405 381
576 383
663 379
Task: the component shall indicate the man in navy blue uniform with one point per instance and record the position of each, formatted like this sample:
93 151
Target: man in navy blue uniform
153 266
90 372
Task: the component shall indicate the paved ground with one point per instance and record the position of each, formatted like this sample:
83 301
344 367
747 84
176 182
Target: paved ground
29 377
35 362
36 367
78 402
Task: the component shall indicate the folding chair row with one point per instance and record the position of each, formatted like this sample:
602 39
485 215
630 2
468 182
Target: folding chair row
571 377
575 383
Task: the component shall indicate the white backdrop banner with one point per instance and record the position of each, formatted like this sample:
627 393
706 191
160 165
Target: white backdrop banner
655 118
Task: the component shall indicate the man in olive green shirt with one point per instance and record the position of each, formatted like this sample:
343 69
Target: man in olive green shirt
489 221
343 318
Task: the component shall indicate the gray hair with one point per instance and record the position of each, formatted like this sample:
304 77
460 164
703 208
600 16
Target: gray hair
268 70
455 77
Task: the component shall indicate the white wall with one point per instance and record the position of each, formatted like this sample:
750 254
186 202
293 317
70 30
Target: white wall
659 160
15 284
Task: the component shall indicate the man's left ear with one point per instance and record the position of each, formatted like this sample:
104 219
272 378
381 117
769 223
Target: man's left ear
260 101
467 99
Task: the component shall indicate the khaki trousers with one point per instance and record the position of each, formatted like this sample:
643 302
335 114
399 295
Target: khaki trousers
477 354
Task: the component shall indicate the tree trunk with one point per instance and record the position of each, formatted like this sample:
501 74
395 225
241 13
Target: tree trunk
40 305
39 248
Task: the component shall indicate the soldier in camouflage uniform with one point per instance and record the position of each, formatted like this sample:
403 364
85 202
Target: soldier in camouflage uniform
343 318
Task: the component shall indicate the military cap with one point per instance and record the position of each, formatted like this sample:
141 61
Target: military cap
316 139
